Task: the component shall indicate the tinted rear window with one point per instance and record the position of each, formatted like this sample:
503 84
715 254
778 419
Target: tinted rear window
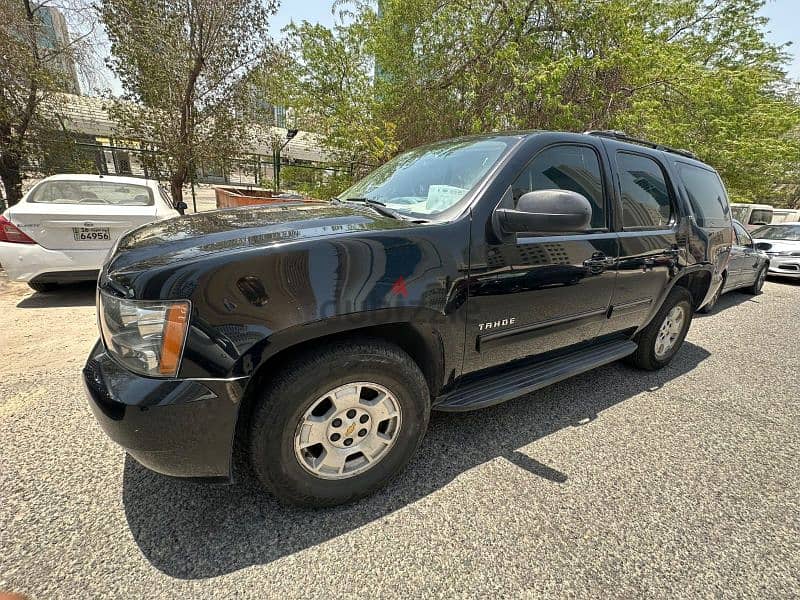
91 192
706 195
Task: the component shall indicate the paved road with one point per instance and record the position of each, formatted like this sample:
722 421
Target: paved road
618 483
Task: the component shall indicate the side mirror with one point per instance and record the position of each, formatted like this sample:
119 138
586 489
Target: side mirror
545 211
181 207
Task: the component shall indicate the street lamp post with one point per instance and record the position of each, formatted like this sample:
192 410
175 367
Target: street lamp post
290 134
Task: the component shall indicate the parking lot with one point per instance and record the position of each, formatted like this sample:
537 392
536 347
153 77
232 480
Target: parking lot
621 483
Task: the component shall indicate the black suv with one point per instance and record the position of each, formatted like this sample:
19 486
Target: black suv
313 340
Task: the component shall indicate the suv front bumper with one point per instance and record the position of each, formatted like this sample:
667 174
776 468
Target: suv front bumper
177 427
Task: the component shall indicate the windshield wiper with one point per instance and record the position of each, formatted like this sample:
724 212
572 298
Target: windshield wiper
378 207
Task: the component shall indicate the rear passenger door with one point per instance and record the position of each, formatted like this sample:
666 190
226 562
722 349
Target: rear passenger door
647 220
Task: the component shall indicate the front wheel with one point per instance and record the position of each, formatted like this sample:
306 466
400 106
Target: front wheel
337 423
662 338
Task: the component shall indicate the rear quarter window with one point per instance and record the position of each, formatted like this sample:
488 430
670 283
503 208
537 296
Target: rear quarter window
706 195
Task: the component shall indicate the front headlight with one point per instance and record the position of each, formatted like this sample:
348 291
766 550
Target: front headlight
145 336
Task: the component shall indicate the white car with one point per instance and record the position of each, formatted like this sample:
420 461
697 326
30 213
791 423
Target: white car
63 228
781 242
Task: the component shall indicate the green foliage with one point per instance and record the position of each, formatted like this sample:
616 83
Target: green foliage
313 182
697 74
185 67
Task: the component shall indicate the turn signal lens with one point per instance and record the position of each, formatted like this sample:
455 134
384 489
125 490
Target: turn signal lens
174 336
11 233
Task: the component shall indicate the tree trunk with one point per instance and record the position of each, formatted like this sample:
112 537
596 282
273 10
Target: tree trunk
11 174
176 182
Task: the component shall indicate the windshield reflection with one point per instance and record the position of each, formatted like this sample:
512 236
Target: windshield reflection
428 180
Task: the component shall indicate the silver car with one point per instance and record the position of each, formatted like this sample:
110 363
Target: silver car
781 242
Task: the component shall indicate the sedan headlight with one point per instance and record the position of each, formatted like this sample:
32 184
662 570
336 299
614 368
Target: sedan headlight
145 336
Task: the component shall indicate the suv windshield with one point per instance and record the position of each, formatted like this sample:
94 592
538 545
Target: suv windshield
778 232
428 180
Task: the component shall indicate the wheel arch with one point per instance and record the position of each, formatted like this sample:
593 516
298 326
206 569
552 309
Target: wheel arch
423 344
698 283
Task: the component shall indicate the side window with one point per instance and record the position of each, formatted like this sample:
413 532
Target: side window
706 195
574 168
645 195
743 237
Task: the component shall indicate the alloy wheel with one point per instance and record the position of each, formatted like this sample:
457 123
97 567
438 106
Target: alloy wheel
669 331
347 430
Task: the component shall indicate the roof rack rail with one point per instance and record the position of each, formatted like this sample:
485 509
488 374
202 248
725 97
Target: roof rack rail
624 137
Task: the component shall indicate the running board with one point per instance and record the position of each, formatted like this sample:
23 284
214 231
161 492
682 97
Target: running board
528 378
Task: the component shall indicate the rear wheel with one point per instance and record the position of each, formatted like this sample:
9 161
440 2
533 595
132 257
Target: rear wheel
663 337
336 424
755 289
39 286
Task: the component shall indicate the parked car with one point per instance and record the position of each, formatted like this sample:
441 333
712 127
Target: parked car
747 267
63 228
314 340
781 243
752 216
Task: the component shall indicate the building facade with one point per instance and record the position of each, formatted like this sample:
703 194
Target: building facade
55 39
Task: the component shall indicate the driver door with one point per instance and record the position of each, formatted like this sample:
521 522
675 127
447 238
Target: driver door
530 294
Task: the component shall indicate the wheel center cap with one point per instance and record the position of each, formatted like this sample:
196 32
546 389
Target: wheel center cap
350 429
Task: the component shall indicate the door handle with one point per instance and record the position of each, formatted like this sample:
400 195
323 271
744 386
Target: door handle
599 259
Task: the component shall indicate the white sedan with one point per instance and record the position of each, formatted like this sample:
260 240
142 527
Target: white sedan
63 228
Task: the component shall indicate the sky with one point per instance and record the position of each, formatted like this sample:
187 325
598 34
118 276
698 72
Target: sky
783 26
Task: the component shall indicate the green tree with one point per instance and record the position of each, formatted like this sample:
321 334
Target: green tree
690 73
184 66
31 82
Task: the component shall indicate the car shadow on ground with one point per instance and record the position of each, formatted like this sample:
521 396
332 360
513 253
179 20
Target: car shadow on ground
191 530
67 295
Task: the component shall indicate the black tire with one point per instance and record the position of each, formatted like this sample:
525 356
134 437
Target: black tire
39 286
300 384
761 276
645 356
709 307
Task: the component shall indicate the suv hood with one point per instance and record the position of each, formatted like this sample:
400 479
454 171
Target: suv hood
194 236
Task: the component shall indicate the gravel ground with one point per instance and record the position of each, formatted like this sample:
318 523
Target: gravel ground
618 483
